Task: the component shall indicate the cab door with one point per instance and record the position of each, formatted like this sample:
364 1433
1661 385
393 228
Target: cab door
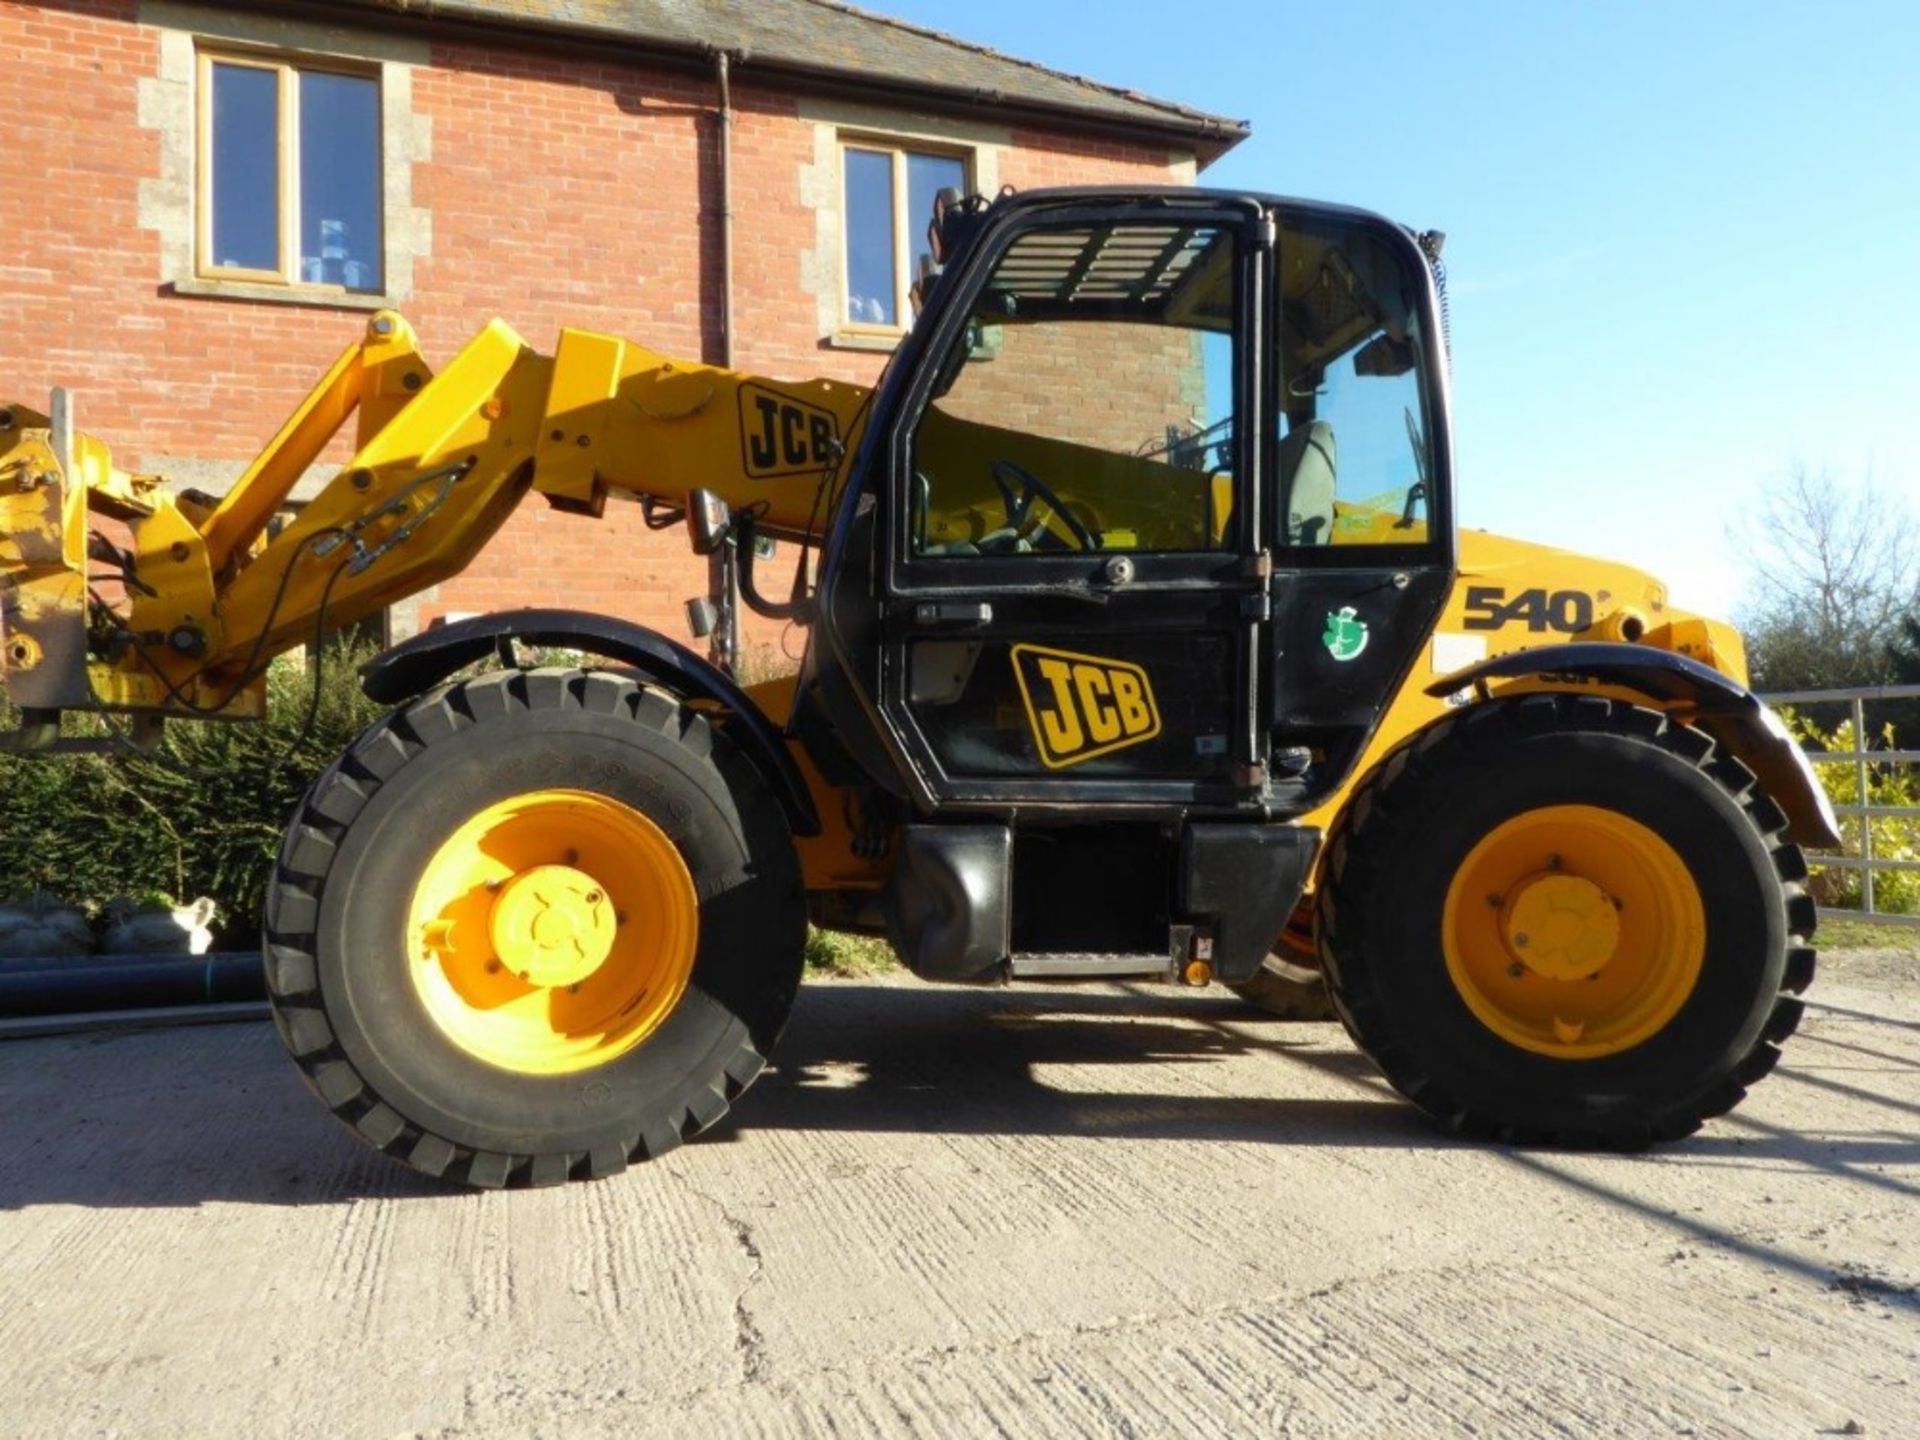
1363 536
1075 601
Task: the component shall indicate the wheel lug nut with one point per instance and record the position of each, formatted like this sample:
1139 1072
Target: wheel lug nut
1516 970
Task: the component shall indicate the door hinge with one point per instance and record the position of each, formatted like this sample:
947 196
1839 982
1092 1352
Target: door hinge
1251 776
1256 606
1257 567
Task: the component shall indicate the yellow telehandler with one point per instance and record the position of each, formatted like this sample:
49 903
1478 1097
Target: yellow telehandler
1141 644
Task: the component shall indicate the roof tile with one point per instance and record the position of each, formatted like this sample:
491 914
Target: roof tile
832 38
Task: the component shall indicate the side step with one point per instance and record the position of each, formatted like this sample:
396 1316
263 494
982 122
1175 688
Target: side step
1090 965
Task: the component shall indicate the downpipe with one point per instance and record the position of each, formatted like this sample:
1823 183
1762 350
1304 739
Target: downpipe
723 569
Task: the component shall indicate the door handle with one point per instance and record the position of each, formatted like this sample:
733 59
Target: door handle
953 612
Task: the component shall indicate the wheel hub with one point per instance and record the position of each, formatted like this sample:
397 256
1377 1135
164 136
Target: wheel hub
553 931
1561 927
552 925
1573 893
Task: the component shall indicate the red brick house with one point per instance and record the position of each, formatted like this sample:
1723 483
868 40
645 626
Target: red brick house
205 196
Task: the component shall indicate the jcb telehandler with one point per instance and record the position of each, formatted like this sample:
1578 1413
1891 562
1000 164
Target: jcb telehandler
1142 643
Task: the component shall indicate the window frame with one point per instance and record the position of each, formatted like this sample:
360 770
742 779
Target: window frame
897 149
287 67
979 354
907 575
1438 549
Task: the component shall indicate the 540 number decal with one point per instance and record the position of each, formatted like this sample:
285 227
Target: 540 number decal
1490 608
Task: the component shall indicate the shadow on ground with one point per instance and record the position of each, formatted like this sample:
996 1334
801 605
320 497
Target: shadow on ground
186 1117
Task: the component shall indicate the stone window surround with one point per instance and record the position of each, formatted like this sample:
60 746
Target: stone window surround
835 123
167 107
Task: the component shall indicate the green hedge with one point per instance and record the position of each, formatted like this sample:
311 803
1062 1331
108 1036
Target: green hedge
201 815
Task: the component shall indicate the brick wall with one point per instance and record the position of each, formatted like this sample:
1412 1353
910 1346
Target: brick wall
1112 386
560 190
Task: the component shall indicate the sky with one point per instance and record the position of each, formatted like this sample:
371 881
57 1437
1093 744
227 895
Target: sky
1683 238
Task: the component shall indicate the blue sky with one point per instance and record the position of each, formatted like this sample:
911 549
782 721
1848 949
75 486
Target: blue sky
1683 239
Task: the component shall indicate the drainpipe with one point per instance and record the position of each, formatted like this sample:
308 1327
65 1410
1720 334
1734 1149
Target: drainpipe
724 574
721 62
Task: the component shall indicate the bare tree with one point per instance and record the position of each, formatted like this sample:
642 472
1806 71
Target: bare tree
1832 569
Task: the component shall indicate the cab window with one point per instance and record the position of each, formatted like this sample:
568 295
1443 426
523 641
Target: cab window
1353 458
1089 403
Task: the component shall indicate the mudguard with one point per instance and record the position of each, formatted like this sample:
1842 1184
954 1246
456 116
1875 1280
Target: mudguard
1736 717
428 658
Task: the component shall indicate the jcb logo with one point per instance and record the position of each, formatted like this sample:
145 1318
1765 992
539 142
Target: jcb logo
783 436
1081 706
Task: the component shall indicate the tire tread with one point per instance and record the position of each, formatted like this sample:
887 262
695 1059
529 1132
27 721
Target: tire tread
1363 830
293 899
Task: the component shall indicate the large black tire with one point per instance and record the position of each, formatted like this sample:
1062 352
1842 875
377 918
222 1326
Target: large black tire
336 918
1392 857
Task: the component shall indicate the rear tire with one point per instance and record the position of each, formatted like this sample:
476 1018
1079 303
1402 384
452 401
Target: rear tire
1391 947
341 938
1288 990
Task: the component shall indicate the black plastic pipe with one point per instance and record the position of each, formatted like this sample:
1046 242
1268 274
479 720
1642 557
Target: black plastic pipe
130 983
25 964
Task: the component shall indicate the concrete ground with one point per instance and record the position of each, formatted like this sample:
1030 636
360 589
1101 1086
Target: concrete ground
965 1212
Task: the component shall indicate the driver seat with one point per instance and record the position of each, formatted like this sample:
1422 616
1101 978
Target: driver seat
1308 471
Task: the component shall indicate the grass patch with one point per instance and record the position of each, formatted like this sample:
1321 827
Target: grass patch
1865 935
834 952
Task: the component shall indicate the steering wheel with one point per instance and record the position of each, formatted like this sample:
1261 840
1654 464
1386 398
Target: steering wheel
1019 507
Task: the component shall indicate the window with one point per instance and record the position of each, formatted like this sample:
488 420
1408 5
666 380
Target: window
289 174
1104 420
1366 433
888 204
1354 460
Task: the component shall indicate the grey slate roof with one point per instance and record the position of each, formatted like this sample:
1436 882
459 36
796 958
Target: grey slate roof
829 39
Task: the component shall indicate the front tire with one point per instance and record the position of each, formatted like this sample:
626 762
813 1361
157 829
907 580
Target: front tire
536 926
1566 919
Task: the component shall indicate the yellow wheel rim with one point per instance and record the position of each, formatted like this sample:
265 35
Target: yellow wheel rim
553 932
1574 931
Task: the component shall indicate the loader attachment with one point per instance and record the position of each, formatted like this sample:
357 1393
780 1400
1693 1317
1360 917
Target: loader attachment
43 559
119 593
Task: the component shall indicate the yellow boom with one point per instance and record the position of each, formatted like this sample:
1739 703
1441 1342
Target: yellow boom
213 589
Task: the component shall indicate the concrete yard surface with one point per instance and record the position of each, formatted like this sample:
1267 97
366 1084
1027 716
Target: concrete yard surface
949 1212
